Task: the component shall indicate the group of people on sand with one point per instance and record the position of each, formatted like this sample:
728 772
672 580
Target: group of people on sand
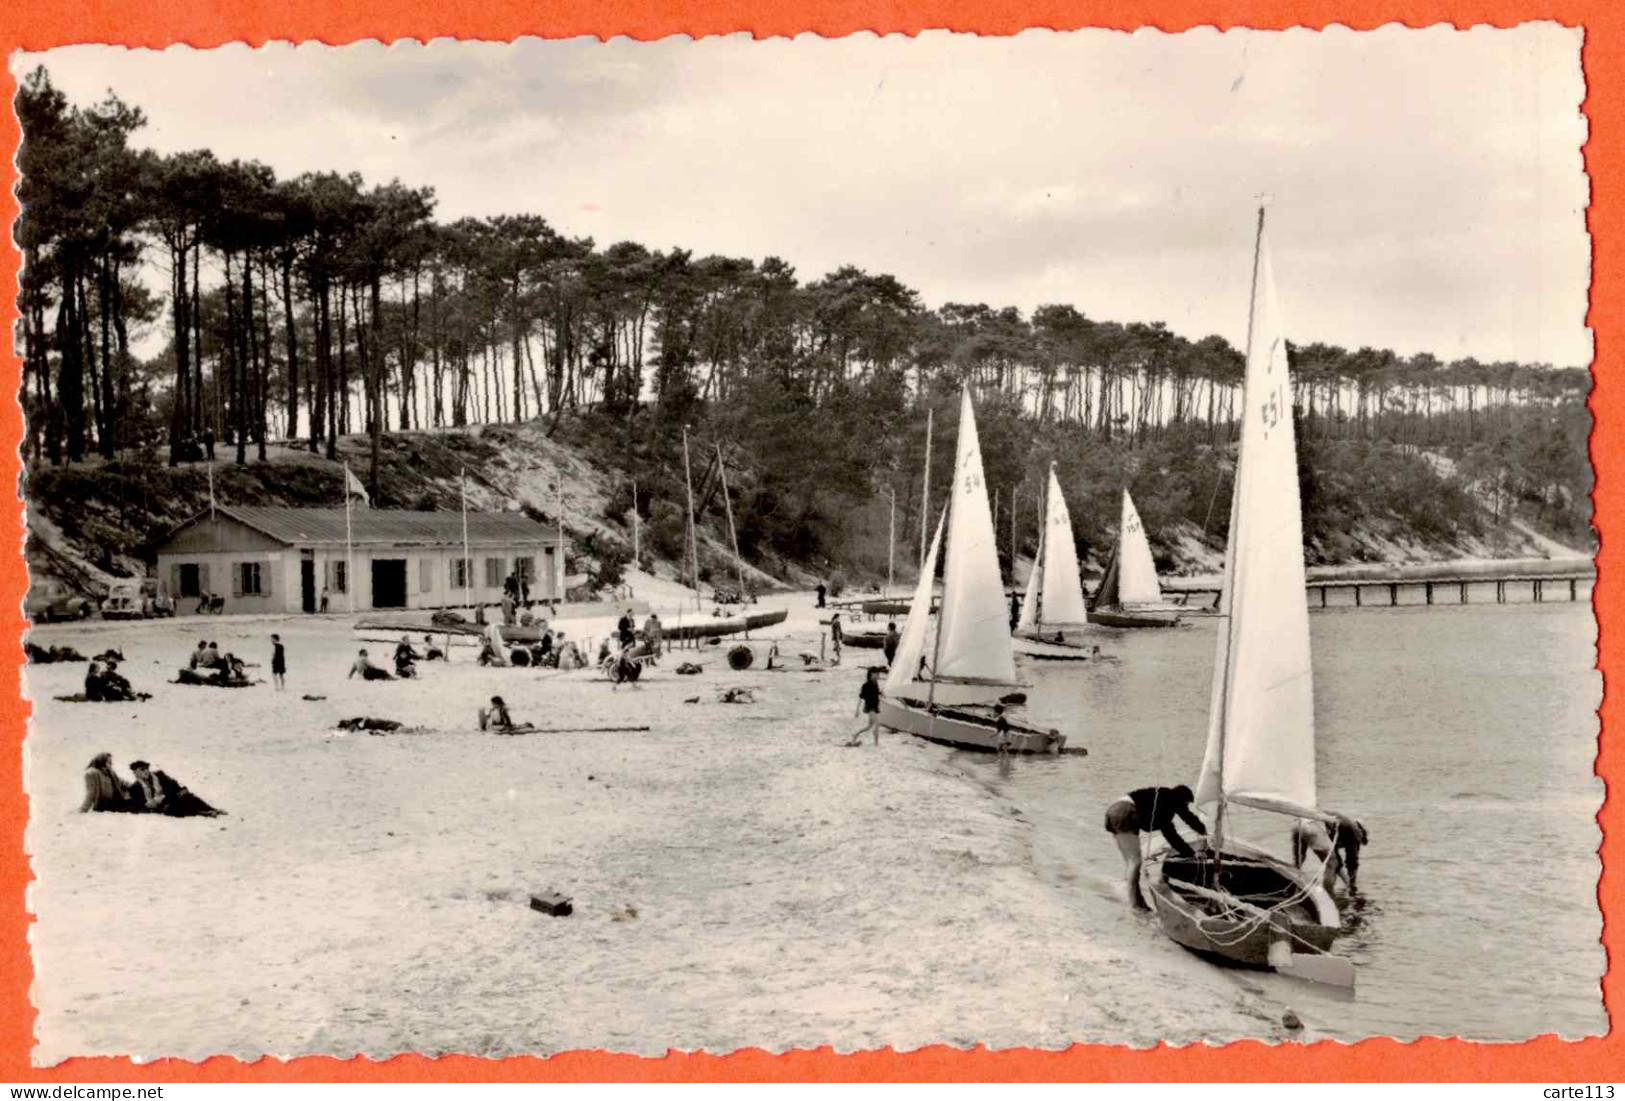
208 665
153 791
105 684
552 650
1157 809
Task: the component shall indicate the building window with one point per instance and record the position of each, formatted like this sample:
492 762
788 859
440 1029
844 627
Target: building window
493 573
461 570
341 577
250 578
425 574
526 568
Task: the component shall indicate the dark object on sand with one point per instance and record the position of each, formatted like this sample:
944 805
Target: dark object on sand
1013 699
312 699
448 619
689 669
217 679
692 699
552 903
110 655
367 722
80 697
39 655
741 658
737 695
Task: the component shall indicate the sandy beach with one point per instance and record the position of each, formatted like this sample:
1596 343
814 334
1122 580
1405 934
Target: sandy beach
370 893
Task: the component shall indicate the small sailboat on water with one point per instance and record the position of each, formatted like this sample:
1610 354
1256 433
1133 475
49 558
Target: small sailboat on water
946 692
1233 900
1129 595
1054 602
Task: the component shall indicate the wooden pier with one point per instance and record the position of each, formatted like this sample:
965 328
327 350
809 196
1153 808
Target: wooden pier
1541 588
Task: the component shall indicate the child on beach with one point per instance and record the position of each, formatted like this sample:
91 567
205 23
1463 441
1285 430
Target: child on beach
869 706
279 663
367 669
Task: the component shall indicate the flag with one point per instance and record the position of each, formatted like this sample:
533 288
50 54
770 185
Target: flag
354 488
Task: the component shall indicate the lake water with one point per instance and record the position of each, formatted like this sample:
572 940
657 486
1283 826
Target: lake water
1463 737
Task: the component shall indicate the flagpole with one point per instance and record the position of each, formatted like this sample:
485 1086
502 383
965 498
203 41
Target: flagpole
349 546
891 543
693 537
468 560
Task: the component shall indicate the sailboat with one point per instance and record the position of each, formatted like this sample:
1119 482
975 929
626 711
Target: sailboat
1054 600
1234 900
1129 595
946 694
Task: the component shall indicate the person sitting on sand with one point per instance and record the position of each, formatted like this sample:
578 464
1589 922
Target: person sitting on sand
198 654
364 666
869 706
431 652
93 682
496 717
1142 811
105 789
114 688
160 794
492 651
1339 850
231 670
603 652
211 657
527 618
567 654
404 657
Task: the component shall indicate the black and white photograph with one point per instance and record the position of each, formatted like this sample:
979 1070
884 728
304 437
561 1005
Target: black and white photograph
869 542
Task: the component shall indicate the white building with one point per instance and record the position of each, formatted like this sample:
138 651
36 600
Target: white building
284 559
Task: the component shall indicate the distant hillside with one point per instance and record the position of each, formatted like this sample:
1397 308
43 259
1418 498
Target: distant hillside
95 521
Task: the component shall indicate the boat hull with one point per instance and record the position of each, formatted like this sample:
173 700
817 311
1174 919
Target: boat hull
1241 937
1134 617
864 640
1042 650
963 728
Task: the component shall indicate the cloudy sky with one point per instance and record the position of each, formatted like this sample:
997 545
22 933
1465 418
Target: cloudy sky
1427 190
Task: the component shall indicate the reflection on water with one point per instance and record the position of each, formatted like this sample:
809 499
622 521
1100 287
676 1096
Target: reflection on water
1463 737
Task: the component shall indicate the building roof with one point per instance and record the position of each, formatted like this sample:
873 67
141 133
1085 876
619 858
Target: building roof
326 526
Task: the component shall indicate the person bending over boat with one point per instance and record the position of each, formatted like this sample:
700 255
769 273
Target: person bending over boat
1340 850
1145 810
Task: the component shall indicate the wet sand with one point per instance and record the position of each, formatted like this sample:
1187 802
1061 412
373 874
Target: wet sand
369 894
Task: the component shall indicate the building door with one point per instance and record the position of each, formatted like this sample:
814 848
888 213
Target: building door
389 582
307 581
190 583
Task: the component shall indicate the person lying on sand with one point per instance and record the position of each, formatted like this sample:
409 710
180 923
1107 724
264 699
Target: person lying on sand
105 789
368 671
160 794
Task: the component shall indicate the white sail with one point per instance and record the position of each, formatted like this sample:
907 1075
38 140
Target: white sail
975 619
906 662
1261 731
1063 583
1029 602
1136 572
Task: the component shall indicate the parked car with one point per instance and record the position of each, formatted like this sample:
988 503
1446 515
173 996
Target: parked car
49 600
137 600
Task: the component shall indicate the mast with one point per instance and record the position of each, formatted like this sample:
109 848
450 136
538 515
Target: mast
693 539
468 561
1042 562
891 543
1227 596
739 563
925 496
936 643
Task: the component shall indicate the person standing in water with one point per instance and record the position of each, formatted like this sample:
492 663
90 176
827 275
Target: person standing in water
1144 810
868 707
1339 850
279 663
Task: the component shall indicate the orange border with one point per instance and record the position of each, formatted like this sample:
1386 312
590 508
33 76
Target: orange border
41 24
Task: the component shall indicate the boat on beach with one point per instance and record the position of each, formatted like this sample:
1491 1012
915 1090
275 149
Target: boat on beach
1054 602
947 694
1129 595
1231 900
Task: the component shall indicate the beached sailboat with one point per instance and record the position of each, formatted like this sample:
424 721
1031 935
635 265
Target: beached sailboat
1129 595
946 694
1233 900
1054 602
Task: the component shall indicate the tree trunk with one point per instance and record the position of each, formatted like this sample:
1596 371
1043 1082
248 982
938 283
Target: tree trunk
377 348
292 337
